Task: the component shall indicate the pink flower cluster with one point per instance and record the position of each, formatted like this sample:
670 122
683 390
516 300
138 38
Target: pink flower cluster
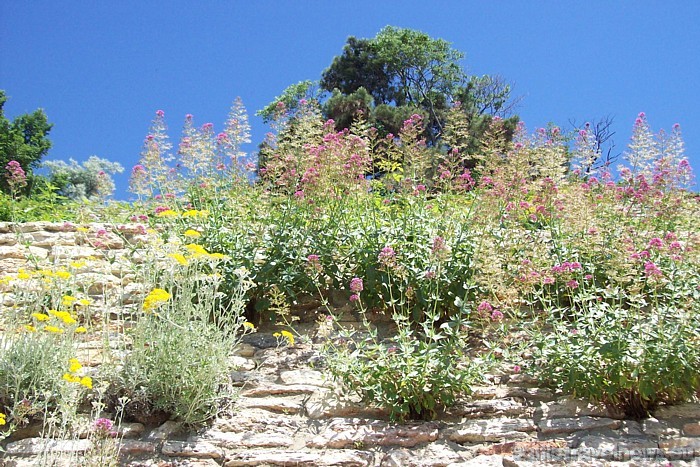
566 267
16 177
356 286
387 257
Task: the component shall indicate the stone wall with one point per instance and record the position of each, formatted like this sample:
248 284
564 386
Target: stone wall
288 413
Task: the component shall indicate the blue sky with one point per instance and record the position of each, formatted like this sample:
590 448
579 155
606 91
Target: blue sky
100 70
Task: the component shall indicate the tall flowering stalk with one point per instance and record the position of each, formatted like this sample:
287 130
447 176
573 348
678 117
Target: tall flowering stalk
153 175
16 177
236 133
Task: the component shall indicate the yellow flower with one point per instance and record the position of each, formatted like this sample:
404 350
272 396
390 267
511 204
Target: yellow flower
179 258
78 264
29 328
249 325
86 381
155 298
84 302
192 234
23 276
71 378
63 316
80 330
75 365
67 319
169 213
81 229
67 300
40 316
287 335
196 250
195 213
53 329
63 274
3 419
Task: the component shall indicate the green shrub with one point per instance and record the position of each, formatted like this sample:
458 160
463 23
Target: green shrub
629 359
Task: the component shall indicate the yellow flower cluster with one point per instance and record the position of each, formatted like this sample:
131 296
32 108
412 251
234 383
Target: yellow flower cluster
287 335
62 317
195 213
179 257
45 274
155 298
73 376
198 251
3 419
190 233
168 214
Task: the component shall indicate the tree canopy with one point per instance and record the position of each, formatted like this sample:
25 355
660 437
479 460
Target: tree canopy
403 71
24 139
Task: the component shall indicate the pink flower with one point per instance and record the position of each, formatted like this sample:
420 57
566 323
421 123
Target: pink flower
356 285
484 307
354 298
572 284
387 257
496 315
656 243
652 270
16 177
160 113
516 369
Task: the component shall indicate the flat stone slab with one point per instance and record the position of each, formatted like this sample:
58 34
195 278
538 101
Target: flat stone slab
197 449
569 408
433 455
324 404
134 447
304 376
488 408
130 430
483 461
689 410
618 449
279 390
35 446
521 447
164 431
493 430
268 439
343 458
570 425
287 405
256 420
691 429
342 433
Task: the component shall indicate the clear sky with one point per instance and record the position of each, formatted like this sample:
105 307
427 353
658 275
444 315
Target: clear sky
101 69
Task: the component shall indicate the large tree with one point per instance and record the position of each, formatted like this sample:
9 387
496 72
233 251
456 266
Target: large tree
403 71
23 139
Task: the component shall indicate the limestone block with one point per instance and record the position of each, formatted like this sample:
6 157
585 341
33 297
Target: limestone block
35 446
570 425
197 449
492 430
342 458
342 433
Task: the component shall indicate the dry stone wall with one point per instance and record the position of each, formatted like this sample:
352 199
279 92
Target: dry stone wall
288 414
